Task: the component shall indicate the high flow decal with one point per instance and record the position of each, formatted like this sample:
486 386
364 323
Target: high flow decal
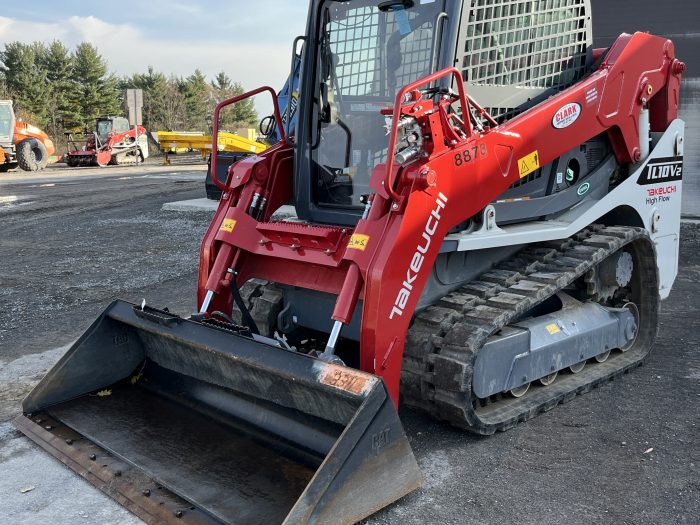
566 115
658 171
418 258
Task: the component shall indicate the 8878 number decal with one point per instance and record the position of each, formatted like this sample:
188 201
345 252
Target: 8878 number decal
470 154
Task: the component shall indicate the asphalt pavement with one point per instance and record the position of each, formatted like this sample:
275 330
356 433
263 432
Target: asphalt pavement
72 241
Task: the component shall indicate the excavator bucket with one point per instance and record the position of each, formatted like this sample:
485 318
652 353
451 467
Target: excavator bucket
192 422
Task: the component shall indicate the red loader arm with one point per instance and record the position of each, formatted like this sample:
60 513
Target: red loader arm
387 258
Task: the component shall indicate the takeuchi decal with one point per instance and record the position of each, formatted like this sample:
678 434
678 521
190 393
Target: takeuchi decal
566 115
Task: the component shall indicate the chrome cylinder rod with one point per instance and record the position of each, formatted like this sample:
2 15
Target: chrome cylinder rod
206 302
333 339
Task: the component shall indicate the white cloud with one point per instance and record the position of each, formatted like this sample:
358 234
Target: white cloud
128 50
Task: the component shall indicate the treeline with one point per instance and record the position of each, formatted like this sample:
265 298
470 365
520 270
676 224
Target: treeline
63 90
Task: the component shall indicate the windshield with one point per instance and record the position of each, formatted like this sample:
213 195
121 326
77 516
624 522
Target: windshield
103 129
5 120
366 55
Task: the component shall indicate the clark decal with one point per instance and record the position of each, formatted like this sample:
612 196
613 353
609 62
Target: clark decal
659 171
566 115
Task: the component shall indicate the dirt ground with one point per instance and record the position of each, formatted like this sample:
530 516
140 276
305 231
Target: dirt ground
72 241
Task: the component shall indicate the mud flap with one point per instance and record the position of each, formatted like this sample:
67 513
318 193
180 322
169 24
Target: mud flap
190 422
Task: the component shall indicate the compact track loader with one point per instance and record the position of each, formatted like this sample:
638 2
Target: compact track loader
113 141
487 217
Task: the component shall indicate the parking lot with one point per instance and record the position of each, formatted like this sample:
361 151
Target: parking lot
71 241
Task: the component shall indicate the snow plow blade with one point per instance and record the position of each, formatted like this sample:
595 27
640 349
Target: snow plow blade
192 422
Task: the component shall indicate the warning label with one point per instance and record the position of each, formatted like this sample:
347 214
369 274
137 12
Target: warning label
529 164
552 329
358 242
228 225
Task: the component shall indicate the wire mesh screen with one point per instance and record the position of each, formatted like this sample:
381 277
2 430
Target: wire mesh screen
358 40
527 43
354 42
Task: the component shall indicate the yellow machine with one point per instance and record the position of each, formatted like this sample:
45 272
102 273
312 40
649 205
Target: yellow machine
171 142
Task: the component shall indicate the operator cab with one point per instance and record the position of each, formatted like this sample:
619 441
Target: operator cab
367 51
105 125
360 53
7 121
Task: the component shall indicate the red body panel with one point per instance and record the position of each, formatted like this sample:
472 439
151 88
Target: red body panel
387 262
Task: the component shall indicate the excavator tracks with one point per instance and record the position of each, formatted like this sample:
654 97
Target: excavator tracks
444 340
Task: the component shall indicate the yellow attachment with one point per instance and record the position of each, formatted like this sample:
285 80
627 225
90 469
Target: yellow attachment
173 141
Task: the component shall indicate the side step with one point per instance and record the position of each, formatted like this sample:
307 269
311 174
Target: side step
219 428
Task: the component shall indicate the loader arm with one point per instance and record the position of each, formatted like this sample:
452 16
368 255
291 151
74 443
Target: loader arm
384 259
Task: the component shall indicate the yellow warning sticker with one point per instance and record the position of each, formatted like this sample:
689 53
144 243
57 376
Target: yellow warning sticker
528 164
552 329
358 242
228 225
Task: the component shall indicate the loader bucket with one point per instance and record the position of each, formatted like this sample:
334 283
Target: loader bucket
192 422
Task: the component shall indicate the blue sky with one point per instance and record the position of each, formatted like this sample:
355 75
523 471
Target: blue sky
250 40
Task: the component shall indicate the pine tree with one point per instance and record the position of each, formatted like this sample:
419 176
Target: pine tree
197 95
58 64
94 90
241 114
5 93
25 79
244 112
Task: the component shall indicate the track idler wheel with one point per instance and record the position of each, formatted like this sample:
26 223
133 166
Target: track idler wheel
632 332
602 357
520 391
575 369
548 380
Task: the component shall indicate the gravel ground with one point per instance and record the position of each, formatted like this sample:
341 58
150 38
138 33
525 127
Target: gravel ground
72 242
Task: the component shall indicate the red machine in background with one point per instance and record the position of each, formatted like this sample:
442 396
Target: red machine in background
112 142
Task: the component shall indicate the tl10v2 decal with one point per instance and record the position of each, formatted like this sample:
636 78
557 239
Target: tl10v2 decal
668 169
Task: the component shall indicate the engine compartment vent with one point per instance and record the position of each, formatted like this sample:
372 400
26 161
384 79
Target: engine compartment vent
521 49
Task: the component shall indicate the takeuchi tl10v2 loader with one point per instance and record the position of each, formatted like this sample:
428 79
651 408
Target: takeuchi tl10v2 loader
487 218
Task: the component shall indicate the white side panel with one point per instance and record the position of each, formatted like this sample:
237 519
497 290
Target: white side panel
658 205
143 144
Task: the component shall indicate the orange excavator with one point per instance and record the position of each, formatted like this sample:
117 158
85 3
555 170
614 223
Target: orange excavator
22 144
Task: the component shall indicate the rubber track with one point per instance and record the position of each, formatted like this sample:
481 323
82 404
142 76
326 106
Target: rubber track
443 342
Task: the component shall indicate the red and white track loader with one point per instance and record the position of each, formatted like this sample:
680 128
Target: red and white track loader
112 142
487 217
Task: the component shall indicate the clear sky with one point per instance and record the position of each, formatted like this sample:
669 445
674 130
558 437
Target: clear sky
251 40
